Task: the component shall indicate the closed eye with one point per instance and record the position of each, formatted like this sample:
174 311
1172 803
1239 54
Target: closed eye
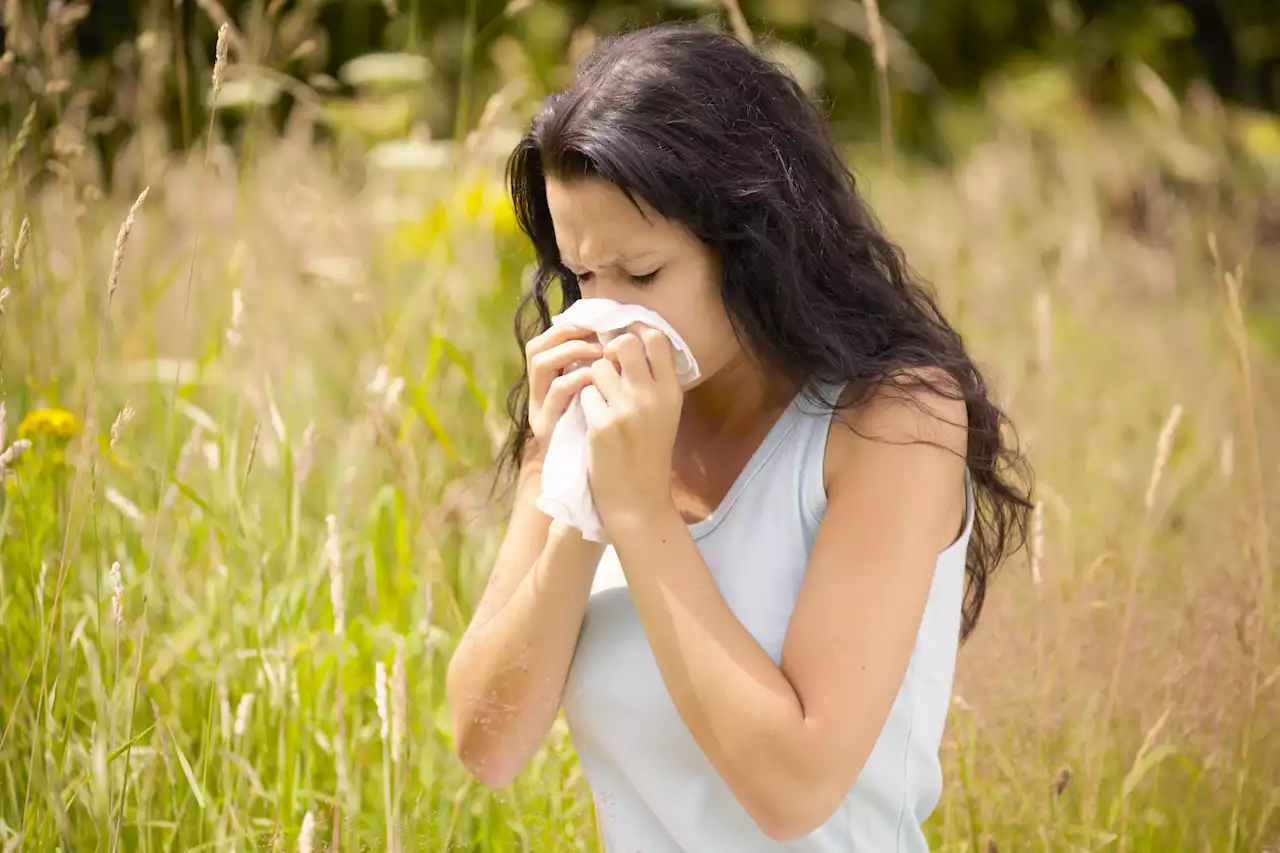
638 280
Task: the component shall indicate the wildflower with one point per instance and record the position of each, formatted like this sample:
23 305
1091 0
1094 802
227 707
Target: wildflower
487 203
53 423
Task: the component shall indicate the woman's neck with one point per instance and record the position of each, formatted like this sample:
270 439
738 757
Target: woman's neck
735 399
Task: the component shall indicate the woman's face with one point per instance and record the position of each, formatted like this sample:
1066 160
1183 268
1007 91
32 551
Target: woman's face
638 258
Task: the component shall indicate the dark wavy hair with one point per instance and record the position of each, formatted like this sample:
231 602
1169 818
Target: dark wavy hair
714 136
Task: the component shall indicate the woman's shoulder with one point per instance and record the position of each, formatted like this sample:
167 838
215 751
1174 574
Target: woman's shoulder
911 406
914 421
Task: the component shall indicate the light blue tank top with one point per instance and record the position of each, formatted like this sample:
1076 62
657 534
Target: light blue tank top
654 789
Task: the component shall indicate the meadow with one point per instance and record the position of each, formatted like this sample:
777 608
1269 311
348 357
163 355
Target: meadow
253 391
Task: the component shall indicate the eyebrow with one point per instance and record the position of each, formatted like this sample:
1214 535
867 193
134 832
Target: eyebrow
613 260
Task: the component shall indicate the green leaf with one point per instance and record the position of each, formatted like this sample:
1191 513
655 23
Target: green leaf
1143 766
186 769
120 750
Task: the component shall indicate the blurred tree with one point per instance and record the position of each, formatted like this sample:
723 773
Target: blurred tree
939 50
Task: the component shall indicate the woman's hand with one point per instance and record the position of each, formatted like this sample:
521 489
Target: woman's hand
632 410
553 379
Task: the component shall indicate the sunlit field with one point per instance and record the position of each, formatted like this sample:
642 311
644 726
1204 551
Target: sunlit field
248 502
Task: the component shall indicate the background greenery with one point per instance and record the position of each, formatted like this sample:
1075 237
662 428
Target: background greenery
310 313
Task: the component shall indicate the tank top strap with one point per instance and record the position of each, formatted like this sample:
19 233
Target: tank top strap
814 428
815 406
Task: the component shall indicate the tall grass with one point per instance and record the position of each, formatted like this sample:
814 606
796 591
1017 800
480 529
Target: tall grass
245 647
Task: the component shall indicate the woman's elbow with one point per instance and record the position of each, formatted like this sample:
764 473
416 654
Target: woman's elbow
474 748
786 814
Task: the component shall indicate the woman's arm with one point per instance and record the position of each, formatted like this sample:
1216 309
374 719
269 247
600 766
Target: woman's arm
506 678
789 741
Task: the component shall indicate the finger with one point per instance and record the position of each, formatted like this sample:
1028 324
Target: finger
554 336
606 379
594 408
662 356
628 352
545 366
561 393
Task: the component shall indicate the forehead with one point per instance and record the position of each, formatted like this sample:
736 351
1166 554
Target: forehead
594 218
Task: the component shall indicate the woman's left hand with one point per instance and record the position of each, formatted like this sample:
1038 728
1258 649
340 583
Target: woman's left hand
632 411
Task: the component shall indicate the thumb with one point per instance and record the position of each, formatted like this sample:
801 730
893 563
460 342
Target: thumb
594 408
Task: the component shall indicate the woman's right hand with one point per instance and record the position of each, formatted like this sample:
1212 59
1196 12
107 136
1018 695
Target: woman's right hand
553 379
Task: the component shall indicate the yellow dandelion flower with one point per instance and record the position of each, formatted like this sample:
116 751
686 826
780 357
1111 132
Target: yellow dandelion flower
486 202
504 218
52 423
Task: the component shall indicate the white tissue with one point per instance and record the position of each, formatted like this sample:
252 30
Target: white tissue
566 491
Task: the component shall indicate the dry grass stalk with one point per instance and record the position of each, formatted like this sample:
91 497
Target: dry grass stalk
1164 447
20 247
114 839
85 460
243 709
380 698
117 592
739 22
306 835
19 142
1259 535
880 54
1037 542
122 240
11 453
337 583
220 58
126 415
234 338
399 705
1044 330
219 16
253 454
384 717
305 456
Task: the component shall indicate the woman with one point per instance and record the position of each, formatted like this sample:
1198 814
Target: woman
762 657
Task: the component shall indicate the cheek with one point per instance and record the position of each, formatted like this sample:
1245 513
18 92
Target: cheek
706 329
